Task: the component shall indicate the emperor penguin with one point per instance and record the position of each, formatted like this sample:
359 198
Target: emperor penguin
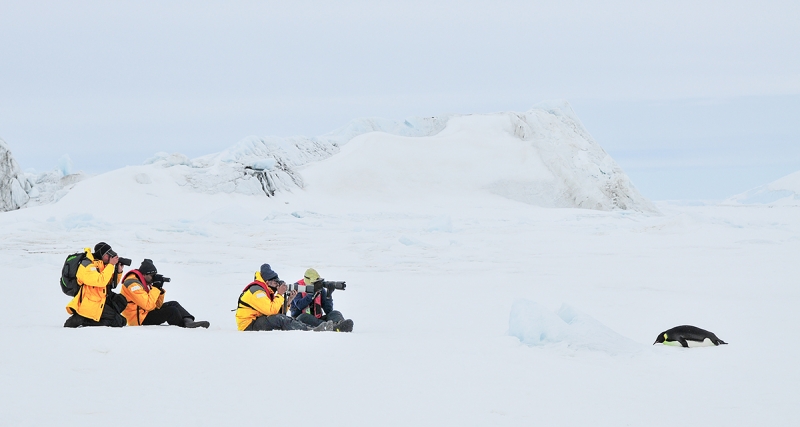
688 336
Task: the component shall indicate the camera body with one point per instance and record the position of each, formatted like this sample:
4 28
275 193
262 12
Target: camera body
160 278
123 261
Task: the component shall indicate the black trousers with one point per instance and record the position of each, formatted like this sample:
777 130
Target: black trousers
171 312
110 316
279 322
312 321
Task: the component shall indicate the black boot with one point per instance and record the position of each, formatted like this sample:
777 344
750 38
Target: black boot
188 322
73 321
344 326
323 327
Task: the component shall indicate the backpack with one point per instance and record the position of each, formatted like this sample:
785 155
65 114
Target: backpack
69 281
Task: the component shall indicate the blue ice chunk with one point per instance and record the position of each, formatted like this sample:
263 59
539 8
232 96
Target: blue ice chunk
407 241
65 165
536 326
79 220
442 224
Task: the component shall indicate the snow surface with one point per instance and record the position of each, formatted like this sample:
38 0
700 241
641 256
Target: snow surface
447 286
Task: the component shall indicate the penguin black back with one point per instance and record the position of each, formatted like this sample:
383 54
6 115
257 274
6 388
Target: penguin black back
684 333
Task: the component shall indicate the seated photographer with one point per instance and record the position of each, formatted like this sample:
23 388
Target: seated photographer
315 308
144 290
262 305
96 304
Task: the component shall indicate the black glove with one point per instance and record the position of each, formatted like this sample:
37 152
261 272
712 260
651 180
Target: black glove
330 286
159 285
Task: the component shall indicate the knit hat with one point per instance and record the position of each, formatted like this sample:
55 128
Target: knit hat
101 249
147 267
311 276
267 274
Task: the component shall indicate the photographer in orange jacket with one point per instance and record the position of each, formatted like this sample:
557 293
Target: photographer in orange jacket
144 290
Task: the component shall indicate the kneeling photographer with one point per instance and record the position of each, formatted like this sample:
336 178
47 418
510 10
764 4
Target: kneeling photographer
95 303
144 290
314 307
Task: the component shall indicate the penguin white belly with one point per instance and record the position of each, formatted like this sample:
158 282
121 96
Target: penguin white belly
705 343
692 344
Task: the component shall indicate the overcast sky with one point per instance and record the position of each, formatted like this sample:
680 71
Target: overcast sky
693 99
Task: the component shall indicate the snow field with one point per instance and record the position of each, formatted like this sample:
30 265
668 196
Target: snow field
431 296
440 241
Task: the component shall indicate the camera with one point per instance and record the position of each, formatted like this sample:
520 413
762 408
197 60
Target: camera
160 278
123 261
335 285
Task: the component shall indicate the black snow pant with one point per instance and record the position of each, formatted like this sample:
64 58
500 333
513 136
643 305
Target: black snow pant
111 315
279 322
312 321
171 312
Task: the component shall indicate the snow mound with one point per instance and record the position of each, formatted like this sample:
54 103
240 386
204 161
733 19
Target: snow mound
782 192
268 165
15 188
536 326
542 157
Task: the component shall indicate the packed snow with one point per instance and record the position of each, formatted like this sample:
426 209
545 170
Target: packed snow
472 305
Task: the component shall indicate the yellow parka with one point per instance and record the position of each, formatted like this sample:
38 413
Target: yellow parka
257 300
93 276
141 297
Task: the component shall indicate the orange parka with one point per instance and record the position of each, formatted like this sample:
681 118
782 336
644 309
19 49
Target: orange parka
142 298
93 276
257 300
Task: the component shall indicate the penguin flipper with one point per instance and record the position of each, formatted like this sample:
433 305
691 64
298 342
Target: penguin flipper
683 342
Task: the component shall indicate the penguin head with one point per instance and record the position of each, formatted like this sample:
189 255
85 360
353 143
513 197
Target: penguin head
661 338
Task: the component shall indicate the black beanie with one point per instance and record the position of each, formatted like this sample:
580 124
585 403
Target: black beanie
100 249
147 267
267 274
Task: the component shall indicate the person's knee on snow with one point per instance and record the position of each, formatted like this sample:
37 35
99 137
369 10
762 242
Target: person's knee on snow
263 304
144 291
314 306
97 273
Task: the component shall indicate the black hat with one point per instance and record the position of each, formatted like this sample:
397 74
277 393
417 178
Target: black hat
267 274
147 267
101 249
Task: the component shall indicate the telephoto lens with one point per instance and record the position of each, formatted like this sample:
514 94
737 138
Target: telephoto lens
300 288
334 285
125 261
